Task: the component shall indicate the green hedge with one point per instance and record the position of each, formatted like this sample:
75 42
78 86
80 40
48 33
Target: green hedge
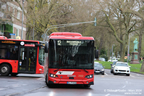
134 67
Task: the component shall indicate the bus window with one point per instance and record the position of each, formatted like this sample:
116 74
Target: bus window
41 56
2 51
9 52
20 56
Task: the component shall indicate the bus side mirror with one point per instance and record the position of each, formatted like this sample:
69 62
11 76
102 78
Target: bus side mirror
46 47
96 54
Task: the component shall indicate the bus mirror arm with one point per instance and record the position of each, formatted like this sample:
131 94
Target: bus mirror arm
39 45
46 47
96 54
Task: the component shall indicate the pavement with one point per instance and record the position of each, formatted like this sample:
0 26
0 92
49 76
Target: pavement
104 85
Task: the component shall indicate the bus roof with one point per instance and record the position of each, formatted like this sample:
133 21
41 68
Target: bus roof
69 35
65 34
2 38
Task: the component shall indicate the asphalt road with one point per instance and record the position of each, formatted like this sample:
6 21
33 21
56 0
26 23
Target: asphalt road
105 85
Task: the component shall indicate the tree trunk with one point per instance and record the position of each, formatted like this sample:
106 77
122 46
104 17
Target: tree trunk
142 67
101 43
28 33
140 43
123 52
121 46
124 47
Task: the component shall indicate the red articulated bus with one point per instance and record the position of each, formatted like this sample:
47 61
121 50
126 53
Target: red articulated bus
69 59
20 56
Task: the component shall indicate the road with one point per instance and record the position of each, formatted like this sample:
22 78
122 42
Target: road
105 85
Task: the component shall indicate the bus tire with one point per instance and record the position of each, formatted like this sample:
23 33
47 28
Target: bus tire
50 85
86 86
46 80
5 69
14 74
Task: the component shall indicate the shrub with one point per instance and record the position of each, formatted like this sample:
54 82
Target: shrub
104 56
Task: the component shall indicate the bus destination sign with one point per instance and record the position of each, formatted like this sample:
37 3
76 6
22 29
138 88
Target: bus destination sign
8 42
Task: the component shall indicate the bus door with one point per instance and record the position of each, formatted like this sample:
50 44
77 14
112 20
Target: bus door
27 60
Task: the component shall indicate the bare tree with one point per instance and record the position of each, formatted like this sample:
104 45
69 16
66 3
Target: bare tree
121 24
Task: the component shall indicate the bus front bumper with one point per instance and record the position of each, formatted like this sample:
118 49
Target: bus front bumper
69 81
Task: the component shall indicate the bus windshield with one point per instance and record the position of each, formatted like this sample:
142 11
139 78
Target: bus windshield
71 54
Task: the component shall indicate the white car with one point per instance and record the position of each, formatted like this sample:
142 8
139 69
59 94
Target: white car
102 59
121 68
112 60
112 66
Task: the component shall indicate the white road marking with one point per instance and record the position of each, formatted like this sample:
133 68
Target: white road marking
132 76
107 94
124 86
39 78
106 74
138 74
2 89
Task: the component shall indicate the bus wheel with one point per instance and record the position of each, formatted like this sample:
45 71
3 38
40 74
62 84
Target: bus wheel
50 85
14 74
4 69
86 86
46 81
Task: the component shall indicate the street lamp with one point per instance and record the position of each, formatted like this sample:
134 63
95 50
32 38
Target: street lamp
66 25
22 18
112 52
33 20
128 48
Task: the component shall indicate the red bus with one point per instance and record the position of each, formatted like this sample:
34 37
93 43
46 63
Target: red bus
20 56
69 59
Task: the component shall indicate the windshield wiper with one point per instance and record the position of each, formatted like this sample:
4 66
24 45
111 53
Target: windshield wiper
85 70
56 70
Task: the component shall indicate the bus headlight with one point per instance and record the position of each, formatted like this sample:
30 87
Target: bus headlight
40 69
89 76
53 75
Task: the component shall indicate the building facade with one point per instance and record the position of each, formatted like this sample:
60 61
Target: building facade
11 19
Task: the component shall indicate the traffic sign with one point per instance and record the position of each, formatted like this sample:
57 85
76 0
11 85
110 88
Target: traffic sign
12 34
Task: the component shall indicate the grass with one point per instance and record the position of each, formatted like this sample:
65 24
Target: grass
134 67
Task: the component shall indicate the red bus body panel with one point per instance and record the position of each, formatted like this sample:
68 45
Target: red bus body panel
78 74
14 63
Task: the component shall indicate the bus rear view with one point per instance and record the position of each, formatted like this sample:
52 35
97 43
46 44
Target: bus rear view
70 60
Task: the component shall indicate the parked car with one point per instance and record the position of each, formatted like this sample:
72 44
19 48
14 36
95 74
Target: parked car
102 59
98 68
112 66
121 68
112 60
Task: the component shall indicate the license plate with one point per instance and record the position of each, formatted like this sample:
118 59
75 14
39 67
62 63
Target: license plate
97 71
71 83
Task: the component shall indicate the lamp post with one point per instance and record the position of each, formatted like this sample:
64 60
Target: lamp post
65 25
128 48
33 20
112 52
22 18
